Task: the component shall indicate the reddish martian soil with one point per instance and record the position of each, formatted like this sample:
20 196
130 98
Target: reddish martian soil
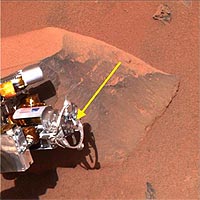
165 163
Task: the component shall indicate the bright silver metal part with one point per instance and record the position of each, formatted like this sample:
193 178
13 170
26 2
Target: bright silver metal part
15 157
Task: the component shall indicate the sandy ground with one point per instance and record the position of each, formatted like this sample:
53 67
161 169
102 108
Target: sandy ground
168 157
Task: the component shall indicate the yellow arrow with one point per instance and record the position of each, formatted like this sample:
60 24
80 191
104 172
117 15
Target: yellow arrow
81 113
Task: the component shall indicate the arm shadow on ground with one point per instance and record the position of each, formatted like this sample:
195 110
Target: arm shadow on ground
30 185
43 172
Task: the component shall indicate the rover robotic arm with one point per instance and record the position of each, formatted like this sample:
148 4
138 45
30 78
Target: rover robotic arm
29 124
